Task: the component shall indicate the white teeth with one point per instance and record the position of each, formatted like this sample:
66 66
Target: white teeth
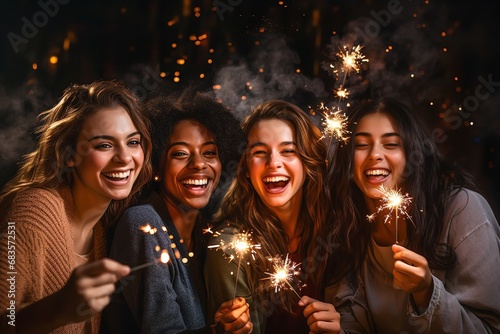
382 172
120 175
276 179
196 182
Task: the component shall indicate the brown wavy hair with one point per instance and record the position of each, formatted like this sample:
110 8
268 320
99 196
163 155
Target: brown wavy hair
242 207
47 165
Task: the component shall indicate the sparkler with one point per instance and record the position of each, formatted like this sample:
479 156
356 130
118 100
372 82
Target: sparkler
334 119
393 201
164 258
241 244
335 123
283 274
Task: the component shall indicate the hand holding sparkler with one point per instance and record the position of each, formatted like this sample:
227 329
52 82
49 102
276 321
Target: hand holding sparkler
321 317
88 288
412 274
233 316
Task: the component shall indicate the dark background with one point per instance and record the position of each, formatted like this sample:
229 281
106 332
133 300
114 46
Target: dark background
437 56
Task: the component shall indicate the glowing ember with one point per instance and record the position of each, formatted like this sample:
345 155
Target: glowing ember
393 202
335 124
283 274
164 258
241 243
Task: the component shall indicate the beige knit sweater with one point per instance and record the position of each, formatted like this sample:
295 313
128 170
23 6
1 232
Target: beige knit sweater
36 229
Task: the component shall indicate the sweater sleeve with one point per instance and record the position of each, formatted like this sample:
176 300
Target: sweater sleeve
467 298
220 277
148 294
34 239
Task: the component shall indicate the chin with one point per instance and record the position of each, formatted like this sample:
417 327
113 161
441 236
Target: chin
197 205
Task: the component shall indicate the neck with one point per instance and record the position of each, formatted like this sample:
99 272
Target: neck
184 220
87 210
289 223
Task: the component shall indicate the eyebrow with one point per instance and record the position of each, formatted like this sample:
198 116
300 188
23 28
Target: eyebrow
183 143
111 137
388 134
259 143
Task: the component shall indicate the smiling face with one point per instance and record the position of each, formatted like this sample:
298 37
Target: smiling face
109 156
191 167
379 157
274 166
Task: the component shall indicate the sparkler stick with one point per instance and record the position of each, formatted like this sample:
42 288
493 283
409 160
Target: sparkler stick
164 258
241 243
283 273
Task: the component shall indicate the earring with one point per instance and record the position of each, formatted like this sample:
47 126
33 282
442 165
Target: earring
156 178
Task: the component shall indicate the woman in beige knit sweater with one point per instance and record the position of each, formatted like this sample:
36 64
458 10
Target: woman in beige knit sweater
90 157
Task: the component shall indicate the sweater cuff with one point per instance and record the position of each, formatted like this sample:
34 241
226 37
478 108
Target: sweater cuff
417 312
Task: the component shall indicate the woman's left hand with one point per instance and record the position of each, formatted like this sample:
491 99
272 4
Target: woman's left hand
412 274
321 317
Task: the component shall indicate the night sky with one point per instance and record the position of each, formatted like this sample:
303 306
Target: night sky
440 57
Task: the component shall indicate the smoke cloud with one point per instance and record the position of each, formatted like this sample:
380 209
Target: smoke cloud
269 74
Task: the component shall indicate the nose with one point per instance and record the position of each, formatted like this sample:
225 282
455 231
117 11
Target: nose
376 153
274 161
123 156
197 162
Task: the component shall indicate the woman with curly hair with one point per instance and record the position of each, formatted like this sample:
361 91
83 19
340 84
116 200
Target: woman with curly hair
435 273
195 141
278 196
88 161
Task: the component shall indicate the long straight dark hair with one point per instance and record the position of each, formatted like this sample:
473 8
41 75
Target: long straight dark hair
427 177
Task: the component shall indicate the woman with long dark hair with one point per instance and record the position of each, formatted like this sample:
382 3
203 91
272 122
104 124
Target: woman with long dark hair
426 265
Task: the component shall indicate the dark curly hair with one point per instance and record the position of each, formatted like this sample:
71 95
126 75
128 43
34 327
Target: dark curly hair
164 111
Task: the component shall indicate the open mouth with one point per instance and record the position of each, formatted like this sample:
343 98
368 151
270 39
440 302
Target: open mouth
376 174
120 176
195 183
276 182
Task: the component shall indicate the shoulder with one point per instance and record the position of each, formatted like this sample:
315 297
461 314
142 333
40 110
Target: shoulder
466 201
40 219
223 233
135 222
469 213
37 196
138 215
36 205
